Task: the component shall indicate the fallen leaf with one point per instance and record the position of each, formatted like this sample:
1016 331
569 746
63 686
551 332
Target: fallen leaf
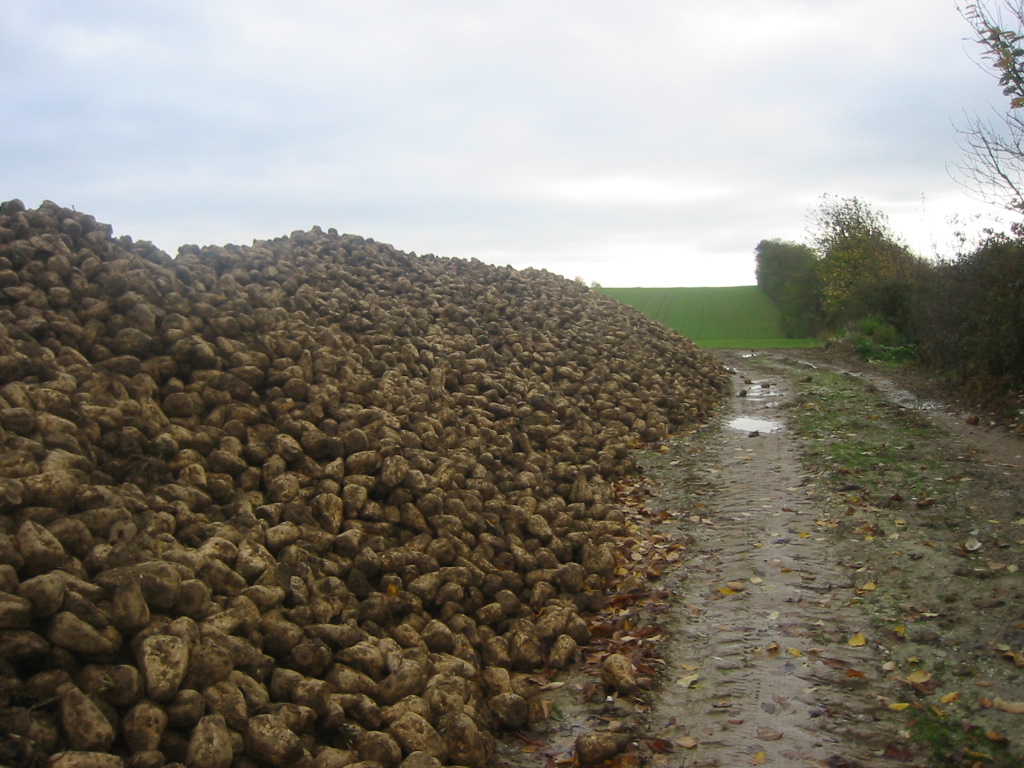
795 652
756 580
869 587
773 616
1013 707
899 706
687 742
772 647
857 640
919 676
727 590
972 544
855 673
758 759
661 746
767 734
949 698
889 666
1016 658
996 737
688 680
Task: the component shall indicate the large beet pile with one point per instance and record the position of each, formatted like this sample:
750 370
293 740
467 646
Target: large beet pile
309 502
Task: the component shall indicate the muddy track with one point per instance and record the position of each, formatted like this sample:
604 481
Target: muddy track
768 672
758 630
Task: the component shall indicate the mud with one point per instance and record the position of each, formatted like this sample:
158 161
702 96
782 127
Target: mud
761 651
762 640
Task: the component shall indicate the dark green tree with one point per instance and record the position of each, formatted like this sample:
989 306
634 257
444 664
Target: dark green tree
787 273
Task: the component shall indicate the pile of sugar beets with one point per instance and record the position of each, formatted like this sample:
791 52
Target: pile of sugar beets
310 502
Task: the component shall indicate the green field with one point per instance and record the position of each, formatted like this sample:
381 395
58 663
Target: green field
721 318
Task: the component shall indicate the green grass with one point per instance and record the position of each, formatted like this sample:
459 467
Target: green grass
740 317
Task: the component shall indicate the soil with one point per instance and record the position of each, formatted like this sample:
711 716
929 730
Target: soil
778 611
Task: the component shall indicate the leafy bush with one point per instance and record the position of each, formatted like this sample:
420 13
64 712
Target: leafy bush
968 317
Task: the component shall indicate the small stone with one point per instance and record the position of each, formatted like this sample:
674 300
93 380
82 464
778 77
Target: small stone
69 631
163 661
143 726
270 742
40 548
617 671
415 734
85 726
210 744
595 748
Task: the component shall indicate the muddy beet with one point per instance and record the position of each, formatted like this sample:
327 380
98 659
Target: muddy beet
312 501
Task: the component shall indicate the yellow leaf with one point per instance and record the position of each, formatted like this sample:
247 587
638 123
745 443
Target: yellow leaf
919 676
727 591
804 535
900 630
795 652
688 680
950 697
857 640
869 587
758 759
938 711
899 706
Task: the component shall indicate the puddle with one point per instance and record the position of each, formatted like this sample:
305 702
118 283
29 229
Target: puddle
747 424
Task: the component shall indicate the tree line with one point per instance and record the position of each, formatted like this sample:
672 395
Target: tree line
964 314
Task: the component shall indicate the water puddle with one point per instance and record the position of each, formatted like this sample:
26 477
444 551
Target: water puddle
748 424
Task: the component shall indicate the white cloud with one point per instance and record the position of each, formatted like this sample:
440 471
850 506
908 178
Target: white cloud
654 142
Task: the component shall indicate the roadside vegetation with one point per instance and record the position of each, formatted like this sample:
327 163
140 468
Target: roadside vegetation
933 538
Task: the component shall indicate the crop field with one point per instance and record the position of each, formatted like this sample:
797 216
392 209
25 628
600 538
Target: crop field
721 318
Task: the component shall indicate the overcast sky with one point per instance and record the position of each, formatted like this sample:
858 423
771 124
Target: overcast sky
649 142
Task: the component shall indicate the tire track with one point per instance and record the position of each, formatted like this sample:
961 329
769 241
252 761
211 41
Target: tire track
764 670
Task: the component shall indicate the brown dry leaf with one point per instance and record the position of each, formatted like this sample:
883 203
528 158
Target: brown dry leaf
768 734
661 746
736 586
857 640
1013 707
1014 656
855 673
772 647
687 742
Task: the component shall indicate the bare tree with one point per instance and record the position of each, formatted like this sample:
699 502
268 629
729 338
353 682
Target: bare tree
994 166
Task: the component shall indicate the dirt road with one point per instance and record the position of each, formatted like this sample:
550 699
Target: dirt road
795 604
